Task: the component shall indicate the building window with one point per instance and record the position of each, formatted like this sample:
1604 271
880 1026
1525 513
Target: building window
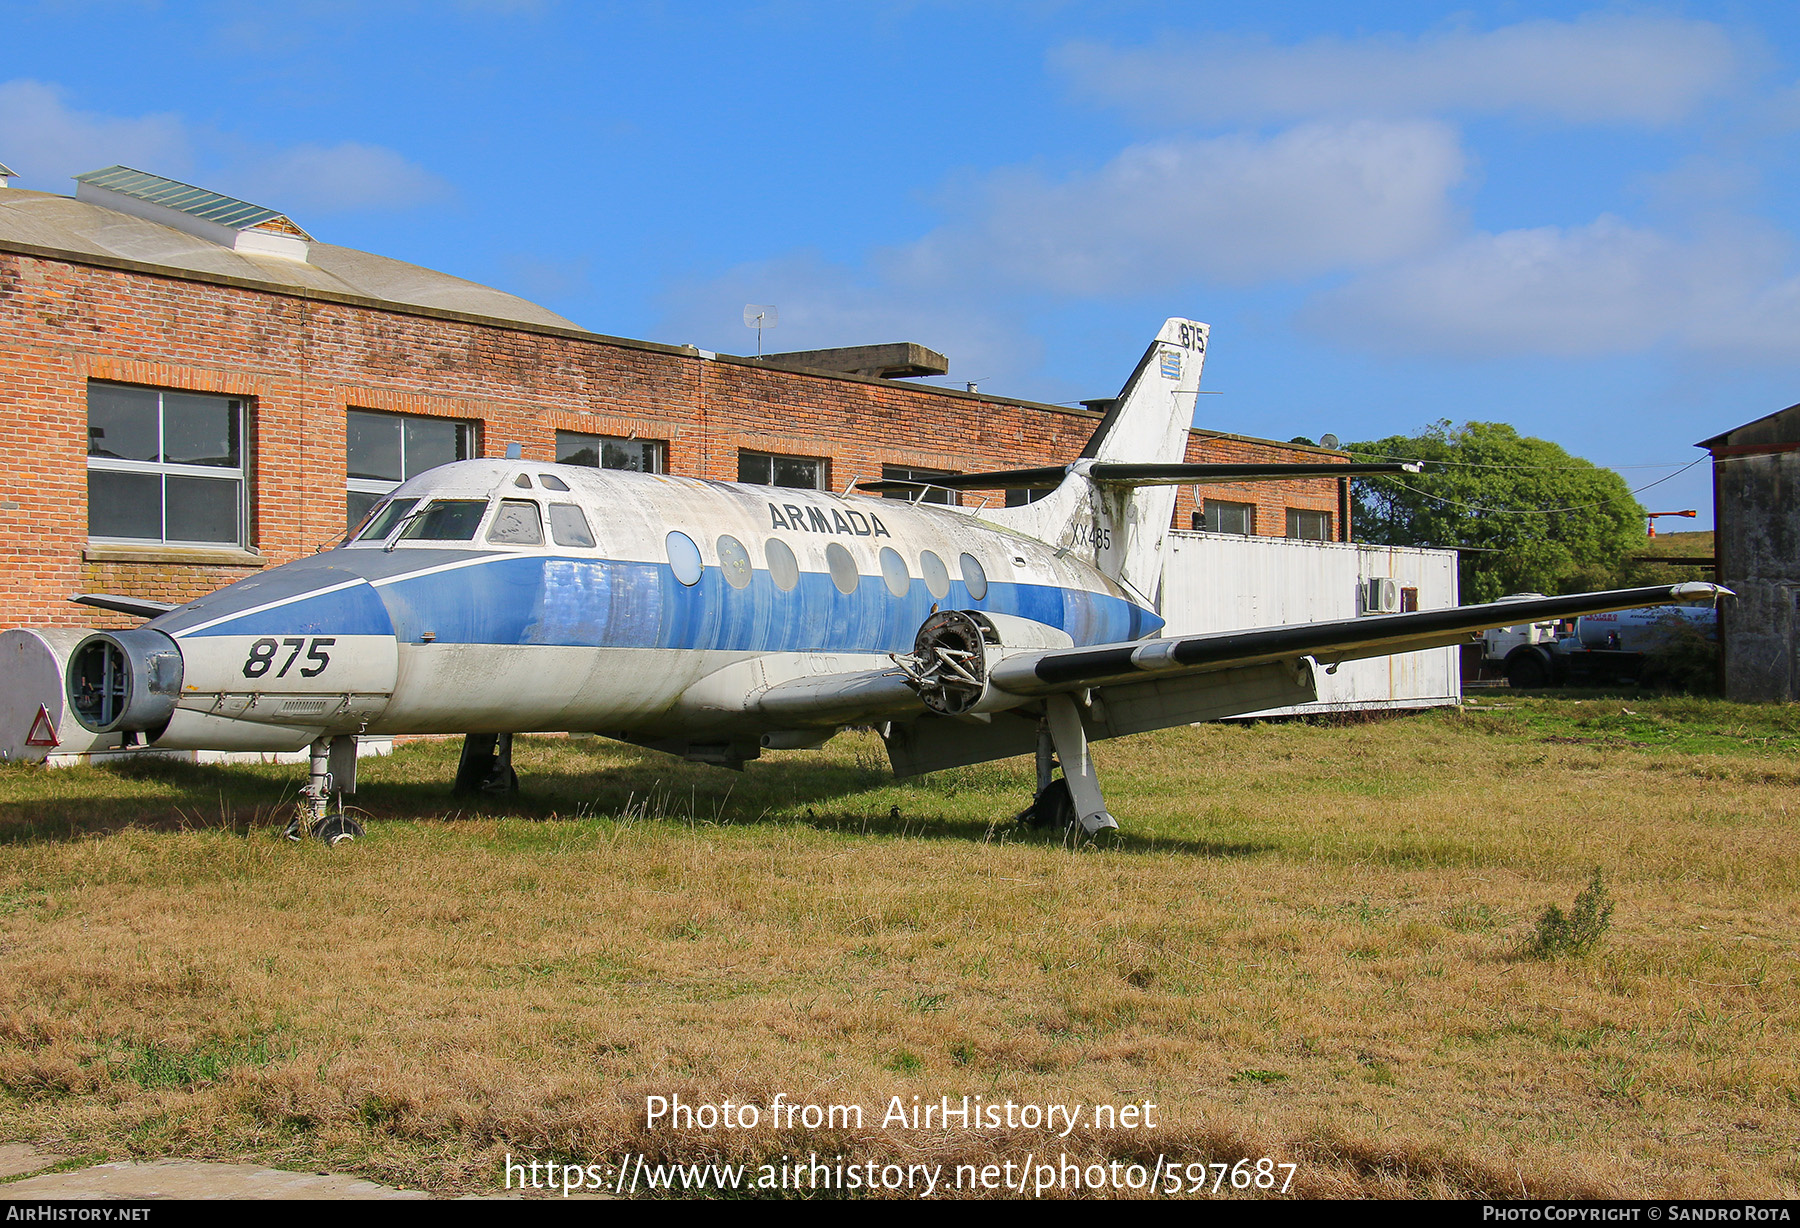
927 494
1309 526
383 450
1222 517
608 452
762 469
1019 498
165 466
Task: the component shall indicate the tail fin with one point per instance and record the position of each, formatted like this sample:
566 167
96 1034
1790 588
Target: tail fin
1124 528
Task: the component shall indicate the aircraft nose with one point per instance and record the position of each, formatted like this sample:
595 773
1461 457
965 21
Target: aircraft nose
124 681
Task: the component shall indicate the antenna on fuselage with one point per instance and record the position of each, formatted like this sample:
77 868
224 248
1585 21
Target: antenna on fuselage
760 317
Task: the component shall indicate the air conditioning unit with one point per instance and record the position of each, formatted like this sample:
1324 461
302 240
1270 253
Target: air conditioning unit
1381 595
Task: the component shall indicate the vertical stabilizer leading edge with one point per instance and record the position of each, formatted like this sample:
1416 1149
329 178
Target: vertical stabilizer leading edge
1125 528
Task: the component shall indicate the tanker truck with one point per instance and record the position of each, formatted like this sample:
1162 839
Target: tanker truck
1595 649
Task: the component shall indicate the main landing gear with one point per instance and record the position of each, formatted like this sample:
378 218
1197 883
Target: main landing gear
333 775
486 766
1074 797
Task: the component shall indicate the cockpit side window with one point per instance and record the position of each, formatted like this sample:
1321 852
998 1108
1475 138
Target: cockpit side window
569 526
446 520
517 523
382 520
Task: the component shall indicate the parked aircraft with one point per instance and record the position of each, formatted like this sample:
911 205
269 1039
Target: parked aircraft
713 620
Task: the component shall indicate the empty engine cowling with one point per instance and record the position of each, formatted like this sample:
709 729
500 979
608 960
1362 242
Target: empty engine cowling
955 651
125 681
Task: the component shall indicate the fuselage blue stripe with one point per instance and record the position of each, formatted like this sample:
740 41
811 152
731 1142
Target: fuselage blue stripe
549 600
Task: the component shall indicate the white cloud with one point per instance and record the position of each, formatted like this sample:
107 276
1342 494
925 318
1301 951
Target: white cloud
46 141
1641 68
1606 288
343 177
1314 199
823 305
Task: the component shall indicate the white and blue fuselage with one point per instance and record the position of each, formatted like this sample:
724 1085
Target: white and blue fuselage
508 596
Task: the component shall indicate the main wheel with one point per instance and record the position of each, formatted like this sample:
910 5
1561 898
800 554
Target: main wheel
1052 807
338 829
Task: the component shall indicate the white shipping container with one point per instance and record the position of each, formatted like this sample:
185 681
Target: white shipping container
1222 581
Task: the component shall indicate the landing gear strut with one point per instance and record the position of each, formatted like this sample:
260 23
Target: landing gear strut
486 765
1075 795
333 773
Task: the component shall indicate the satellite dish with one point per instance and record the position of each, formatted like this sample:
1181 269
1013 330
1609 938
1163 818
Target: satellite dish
759 317
1328 441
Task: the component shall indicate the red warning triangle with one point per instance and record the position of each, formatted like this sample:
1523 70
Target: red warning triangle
43 730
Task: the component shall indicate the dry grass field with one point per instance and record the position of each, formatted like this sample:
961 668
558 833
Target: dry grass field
1306 946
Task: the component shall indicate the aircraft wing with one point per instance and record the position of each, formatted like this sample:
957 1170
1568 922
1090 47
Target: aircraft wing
1345 639
139 607
1140 685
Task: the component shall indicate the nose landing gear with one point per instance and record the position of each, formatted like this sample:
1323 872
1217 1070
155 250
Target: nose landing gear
333 774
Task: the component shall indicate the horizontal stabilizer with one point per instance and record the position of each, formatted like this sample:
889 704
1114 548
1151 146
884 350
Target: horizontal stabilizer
1049 477
139 607
1181 475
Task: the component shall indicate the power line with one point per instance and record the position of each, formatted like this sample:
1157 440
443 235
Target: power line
1480 465
1540 511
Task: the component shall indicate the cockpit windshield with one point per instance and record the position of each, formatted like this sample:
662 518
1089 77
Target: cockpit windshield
446 520
383 519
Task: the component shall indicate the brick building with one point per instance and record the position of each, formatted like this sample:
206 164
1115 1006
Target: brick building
197 389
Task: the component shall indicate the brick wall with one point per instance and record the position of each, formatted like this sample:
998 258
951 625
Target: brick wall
302 361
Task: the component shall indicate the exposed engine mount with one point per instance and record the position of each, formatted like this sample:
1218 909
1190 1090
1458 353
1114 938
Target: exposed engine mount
955 651
125 681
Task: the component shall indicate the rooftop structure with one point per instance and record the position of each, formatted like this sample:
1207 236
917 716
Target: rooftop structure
209 215
108 230
900 360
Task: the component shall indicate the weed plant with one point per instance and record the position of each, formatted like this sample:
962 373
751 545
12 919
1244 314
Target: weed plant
1577 931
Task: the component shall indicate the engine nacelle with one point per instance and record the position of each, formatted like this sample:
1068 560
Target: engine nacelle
955 652
125 681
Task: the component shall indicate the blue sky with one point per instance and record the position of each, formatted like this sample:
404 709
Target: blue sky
1581 221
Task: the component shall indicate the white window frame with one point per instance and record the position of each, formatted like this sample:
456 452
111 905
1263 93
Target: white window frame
1298 512
925 494
1249 510
659 450
166 469
822 472
379 487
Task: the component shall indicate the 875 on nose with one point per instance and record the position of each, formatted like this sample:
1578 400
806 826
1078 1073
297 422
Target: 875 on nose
265 650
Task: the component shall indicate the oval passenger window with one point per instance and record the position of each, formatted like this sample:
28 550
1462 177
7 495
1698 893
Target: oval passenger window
734 562
784 568
684 558
937 576
893 571
974 578
843 568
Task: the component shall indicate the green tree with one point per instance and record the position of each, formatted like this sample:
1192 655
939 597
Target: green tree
1527 516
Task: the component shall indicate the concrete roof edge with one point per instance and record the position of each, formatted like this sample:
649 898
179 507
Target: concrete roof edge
331 296
572 334
462 317
739 360
1277 443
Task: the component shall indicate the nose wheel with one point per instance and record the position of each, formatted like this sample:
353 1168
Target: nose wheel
333 764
